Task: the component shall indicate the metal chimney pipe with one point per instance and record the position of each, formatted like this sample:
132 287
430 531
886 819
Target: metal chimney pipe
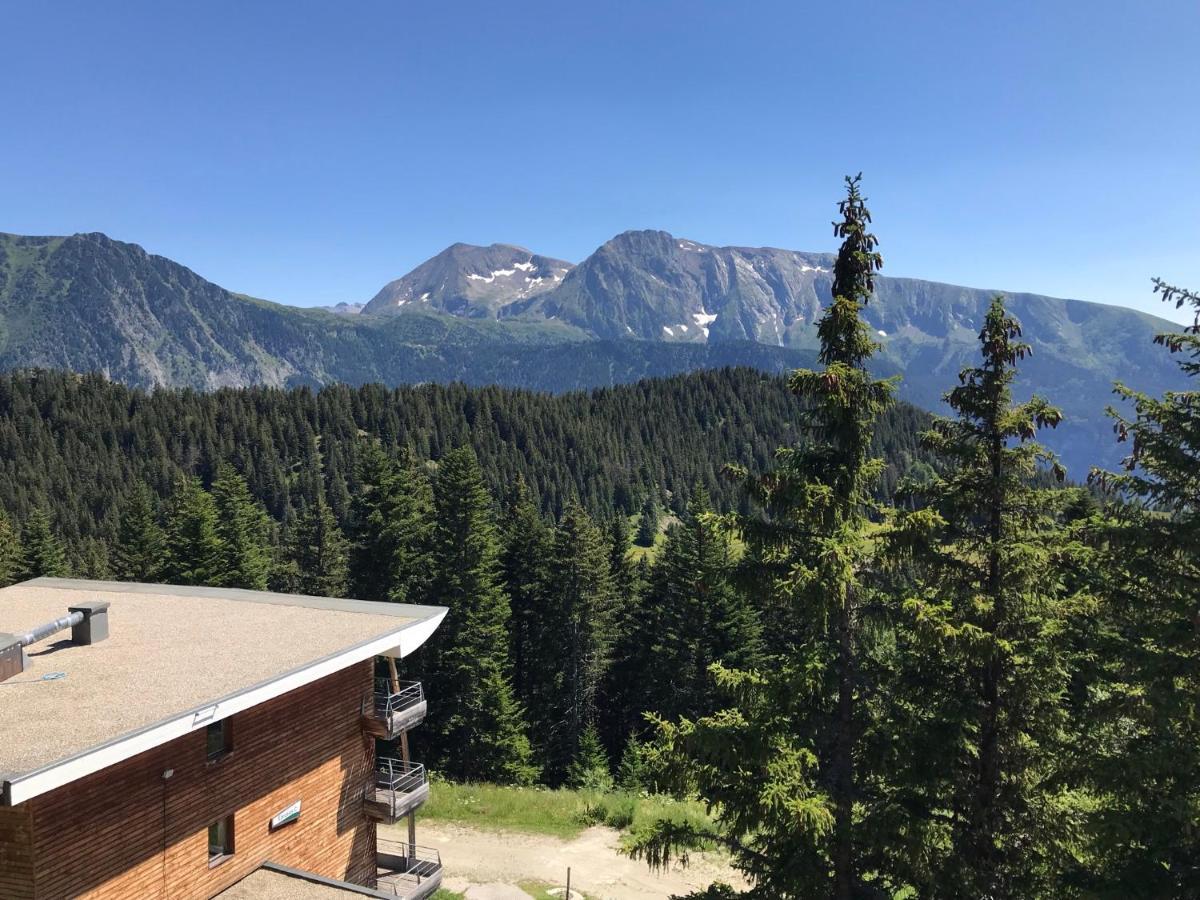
70 620
88 623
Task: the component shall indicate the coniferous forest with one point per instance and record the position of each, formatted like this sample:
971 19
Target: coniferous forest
896 655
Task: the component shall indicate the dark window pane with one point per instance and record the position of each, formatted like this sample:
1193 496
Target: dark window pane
218 738
220 838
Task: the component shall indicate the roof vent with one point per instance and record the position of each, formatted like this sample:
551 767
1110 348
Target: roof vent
88 623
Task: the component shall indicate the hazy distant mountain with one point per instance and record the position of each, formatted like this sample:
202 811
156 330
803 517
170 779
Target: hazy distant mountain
465 280
644 304
344 308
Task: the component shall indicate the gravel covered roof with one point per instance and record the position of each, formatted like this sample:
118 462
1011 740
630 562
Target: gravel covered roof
171 651
270 883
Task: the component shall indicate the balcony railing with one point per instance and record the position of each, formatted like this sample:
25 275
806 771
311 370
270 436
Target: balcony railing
406 870
394 708
397 788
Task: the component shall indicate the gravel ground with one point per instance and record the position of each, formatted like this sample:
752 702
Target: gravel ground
486 864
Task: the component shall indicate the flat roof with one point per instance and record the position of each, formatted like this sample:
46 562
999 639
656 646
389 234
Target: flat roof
272 882
176 659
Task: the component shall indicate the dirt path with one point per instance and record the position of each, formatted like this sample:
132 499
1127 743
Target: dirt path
475 857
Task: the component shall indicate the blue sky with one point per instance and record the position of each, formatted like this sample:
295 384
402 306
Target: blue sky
310 152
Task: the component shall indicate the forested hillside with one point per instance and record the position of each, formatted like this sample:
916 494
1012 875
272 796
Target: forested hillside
76 446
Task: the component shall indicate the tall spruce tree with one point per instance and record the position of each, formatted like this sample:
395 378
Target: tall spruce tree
43 551
11 554
141 545
477 729
1146 768
391 521
622 695
526 539
243 532
578 615
318 553
193 544
625 573
987 674
781 769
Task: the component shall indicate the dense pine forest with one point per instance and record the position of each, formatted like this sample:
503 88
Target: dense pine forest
75 448
895 655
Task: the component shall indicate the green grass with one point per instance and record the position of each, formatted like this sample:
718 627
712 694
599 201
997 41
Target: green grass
444 894
638 552
540 890
558 813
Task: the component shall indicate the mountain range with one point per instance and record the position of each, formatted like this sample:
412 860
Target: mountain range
643 304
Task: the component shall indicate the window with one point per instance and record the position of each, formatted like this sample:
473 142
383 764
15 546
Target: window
219 738
220 840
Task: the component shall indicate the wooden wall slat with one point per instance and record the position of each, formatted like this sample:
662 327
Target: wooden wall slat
16 853
125 832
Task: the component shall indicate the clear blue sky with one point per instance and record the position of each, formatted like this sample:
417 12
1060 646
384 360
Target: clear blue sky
310 152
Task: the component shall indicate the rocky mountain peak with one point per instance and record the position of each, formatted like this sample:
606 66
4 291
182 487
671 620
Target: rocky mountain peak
471 281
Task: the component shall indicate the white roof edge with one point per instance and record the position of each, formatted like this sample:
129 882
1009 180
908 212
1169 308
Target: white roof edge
399 643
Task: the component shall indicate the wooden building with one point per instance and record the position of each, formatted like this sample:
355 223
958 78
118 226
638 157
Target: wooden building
194 742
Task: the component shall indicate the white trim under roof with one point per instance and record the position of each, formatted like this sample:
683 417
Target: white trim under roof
423 621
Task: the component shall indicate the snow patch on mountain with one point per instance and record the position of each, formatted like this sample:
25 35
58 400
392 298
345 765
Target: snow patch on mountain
497 273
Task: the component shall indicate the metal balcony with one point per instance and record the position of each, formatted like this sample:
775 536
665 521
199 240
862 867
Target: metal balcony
389 712
397 788
406 870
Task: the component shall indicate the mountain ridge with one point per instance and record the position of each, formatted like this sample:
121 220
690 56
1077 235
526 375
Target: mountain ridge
87 302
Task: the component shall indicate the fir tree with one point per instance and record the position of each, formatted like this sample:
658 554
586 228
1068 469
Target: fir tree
11 553
318 552
392 519
243 532
523 564
578 623
796 816
477 728
626 584
43 551
193 545
589 769
647 530
1146 766
987 664
140 549
631 771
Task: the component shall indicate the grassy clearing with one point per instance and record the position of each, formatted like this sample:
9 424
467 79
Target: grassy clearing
637 551
558 813
444 894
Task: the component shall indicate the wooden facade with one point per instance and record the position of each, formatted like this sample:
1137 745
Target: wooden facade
127 831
